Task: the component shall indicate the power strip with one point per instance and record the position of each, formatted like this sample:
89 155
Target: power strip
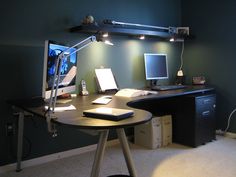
226 134
220 132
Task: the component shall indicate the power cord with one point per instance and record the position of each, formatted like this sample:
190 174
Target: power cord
223 132
229 119
181 56
180 71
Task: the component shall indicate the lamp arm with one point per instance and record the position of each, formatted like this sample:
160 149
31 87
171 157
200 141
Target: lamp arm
171 30
112 22
65 54
55 81
78 47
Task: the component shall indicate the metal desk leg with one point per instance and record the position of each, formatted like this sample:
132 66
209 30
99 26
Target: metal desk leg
99 153
20 140
126 152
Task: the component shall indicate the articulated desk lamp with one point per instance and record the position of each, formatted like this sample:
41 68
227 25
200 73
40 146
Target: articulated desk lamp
53 96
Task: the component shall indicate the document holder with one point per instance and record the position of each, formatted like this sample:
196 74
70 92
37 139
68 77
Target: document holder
105 80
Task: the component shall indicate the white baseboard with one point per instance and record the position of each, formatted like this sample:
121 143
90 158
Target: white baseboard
226 134
52 157
230 135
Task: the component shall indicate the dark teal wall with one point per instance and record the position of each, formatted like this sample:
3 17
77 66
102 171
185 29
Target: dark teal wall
213 52
26 24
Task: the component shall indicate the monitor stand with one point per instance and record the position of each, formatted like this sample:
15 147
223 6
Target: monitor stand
153 83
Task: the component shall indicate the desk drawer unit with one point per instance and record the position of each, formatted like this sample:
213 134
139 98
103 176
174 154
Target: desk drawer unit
205 119
194 122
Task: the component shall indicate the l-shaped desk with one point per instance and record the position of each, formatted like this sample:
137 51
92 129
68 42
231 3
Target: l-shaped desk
144 107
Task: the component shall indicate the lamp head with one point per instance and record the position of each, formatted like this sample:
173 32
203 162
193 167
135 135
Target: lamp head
180 73
103 37
142 37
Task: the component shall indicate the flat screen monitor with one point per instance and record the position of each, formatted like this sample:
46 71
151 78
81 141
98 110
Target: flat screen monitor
156 66
68 69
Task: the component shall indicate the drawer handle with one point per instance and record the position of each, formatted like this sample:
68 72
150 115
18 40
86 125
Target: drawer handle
206 113
206 101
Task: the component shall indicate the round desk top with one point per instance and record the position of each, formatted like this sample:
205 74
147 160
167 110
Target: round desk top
77 119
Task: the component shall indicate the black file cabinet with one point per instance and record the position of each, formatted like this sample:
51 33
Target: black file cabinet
194 120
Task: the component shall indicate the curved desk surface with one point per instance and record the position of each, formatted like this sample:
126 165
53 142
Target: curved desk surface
76 119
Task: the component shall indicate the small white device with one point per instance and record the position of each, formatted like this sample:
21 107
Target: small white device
84 90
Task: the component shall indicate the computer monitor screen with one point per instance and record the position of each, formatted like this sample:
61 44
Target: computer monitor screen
156 66
68 69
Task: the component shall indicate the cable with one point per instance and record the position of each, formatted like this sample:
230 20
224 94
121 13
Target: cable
181 57
230 116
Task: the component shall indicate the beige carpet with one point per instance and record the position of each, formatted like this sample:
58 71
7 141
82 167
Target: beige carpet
215 159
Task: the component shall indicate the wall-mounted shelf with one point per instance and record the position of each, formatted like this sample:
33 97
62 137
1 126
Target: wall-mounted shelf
128 29
119 30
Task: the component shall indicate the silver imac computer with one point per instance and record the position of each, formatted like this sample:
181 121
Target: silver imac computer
68 69
156 67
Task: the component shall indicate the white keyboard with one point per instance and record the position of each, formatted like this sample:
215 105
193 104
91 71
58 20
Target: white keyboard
102 100
128 92
168 87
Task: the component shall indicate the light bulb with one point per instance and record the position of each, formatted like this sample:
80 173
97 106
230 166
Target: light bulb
105 35
142 37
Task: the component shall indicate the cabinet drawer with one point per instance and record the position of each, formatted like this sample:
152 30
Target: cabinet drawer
205 105
205 100
205 114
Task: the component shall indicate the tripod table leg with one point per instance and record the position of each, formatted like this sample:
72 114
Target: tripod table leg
126 152
99 153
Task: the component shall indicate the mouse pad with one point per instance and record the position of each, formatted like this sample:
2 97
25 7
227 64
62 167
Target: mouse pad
108 113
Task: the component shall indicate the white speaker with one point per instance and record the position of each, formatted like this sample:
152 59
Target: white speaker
155 133
166 124
149 134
